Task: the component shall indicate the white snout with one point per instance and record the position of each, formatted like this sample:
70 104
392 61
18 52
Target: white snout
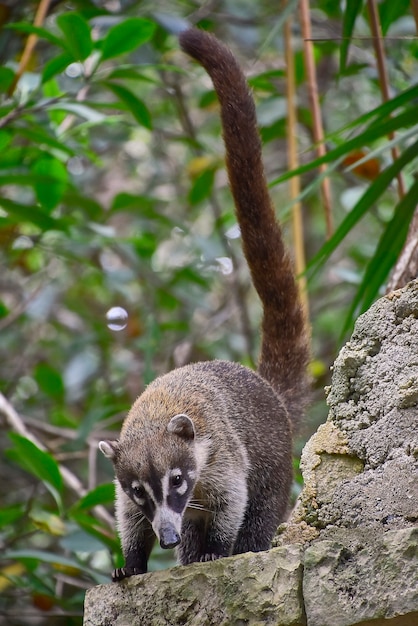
167 526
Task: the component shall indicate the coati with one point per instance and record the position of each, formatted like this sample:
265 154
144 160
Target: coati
203 461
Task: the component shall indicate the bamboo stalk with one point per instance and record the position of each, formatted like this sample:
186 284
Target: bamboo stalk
383 76
414 6
30 44
293 163
318 131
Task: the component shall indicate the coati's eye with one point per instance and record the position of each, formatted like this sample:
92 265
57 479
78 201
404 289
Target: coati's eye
138 491
176 480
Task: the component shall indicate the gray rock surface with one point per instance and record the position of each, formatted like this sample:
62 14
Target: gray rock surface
348 555
362 577
262 588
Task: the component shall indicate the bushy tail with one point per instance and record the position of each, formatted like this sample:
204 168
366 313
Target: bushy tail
285 346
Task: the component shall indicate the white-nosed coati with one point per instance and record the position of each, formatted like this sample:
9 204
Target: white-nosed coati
203 461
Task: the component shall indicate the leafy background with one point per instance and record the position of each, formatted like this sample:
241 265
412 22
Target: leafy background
114 194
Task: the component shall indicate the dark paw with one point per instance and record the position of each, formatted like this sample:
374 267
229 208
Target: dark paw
125 572
210 557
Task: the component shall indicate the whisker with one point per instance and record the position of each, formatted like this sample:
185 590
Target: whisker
198 506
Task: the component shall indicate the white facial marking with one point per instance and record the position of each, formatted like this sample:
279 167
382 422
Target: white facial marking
164 516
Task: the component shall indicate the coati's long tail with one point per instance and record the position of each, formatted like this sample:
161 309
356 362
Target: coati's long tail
285 345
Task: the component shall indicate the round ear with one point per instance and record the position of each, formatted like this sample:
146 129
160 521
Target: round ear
109 448
182 426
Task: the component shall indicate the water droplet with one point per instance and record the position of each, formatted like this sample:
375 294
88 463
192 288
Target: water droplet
225 265
22 243
117 318
74 70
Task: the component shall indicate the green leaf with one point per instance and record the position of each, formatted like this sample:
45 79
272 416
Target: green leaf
131 202
130 72
50 194
134 104
126 36
103 494
387 251
41 555
49 381
29 213
56 66
6 78
30 29
38 463
11 514
202 186
56 560
390 11
77 35
41 138
48 522
373 192
352 9
5 139
82 110
93 528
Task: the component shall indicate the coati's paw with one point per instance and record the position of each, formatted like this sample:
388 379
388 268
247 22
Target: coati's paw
210 557
124 572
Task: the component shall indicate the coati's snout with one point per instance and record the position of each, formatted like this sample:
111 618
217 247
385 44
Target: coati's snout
169 537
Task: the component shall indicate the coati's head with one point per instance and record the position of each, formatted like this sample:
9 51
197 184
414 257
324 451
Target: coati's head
159 473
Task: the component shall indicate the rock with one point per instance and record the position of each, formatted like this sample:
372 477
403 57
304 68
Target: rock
360 468
253 589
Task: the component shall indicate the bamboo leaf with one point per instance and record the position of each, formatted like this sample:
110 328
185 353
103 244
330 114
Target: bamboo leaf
373 192
373 132
352 9
387 251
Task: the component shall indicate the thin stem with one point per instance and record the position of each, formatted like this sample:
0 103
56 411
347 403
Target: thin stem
293 163
30 44
383 76
318 131
414 6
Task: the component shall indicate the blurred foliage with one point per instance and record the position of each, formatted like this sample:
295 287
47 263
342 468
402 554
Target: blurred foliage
119 249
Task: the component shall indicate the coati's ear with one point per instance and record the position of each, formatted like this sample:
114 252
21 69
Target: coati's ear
109 448
182 426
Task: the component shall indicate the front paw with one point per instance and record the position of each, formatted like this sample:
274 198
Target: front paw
125 572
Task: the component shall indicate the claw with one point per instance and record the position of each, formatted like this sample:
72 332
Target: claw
125 572
205 558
